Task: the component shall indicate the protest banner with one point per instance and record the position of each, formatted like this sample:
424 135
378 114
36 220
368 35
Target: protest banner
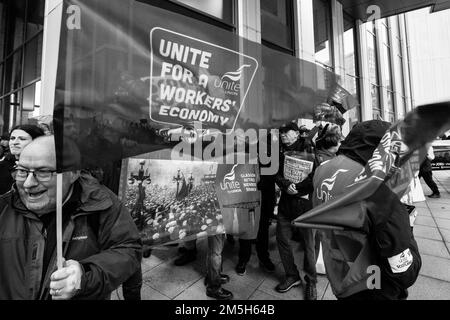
146 70
239 199
237 186
297 165
208 83
171 203
395 162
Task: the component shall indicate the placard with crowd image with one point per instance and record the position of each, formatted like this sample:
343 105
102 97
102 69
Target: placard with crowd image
171 201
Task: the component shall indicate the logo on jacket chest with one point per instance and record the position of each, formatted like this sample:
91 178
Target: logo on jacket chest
325 191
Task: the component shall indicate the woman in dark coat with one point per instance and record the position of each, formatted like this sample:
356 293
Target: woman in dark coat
20 136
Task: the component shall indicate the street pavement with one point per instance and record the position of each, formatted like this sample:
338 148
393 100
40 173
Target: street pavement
163 280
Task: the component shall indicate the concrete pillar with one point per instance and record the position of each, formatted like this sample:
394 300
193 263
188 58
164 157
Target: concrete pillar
50 50
249 20
249 27
304 30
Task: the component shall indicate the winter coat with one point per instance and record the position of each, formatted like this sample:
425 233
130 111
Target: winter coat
6 167
323 155
100 234
291 206
352 257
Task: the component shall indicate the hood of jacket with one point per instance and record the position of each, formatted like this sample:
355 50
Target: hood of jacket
363 139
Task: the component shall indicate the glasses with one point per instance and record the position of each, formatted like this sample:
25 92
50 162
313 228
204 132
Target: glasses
40 175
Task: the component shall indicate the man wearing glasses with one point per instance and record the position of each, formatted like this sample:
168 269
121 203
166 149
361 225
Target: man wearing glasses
101 243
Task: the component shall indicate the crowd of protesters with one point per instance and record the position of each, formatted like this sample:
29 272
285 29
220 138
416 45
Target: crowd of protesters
103 248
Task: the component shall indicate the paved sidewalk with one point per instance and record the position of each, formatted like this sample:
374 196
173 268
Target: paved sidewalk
164 281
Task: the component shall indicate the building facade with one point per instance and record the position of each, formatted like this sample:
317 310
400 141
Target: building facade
366 47
429 47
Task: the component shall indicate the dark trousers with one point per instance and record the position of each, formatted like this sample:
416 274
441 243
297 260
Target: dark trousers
214 262
245 250
307 246
428 178
131 288
262 240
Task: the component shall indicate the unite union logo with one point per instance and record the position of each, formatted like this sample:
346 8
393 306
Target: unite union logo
230 81
228 181
324 192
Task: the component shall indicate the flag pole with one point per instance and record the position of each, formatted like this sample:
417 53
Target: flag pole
59 251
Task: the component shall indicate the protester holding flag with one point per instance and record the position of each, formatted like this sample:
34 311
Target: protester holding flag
101 242
381 260
293 202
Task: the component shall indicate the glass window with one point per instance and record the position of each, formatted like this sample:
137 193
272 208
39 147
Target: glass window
372 58
12 102
351 80
28 98
385 30
17 23
21 32
2 29
35 17
375 94
13 71
1 80
322 32
393 24
349 52
4 119
401 107
390 102
276 23
387 66
2 123
351 85
399 72
33 57
376 114
371 27
221 9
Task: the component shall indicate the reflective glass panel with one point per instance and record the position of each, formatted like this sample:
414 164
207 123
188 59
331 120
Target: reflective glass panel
322 32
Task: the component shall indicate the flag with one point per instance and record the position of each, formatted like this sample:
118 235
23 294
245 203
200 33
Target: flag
184 190
342 99
394 163
146 70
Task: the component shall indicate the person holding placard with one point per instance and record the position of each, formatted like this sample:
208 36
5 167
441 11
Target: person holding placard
294 178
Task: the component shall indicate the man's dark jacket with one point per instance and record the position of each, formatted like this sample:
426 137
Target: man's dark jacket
100 234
